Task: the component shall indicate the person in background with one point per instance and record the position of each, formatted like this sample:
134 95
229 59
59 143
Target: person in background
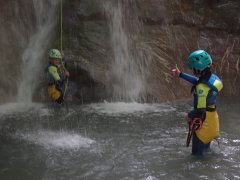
203 119
57 74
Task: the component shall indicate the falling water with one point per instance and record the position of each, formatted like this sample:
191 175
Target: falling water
32 58
128 73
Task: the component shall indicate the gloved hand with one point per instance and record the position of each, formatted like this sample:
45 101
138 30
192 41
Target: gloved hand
66 73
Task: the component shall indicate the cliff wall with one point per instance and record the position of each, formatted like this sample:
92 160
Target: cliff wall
161 33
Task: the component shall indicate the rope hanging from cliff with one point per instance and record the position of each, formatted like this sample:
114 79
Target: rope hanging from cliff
61 24
61 44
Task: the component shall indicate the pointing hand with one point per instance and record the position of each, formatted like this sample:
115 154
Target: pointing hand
176 71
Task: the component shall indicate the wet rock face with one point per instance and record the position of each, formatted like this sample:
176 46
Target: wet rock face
170 31
166 32
216 28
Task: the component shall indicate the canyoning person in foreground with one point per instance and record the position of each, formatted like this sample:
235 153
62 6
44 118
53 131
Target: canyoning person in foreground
203 119
57 75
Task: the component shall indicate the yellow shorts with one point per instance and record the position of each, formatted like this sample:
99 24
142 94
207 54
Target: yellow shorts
210 128
53 93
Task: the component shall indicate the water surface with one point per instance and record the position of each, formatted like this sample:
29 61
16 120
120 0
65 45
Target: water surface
112 141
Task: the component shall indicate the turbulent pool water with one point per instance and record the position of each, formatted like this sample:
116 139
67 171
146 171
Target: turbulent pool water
112 141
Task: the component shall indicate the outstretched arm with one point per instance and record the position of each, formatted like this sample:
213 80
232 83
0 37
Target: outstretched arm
190 78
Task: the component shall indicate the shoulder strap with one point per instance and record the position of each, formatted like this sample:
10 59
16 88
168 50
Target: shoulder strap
215 83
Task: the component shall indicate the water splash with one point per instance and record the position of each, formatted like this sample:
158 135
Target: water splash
45 16
56 140
120 108
130 65
11 108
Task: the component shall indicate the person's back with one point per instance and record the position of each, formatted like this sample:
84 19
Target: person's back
206 87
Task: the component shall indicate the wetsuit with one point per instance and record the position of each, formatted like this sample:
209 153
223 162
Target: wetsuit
56 82
205 90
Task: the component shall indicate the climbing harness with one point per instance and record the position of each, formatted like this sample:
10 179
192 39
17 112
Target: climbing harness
193 125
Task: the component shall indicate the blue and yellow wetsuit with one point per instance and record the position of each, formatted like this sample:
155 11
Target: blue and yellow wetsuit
205 93
56 81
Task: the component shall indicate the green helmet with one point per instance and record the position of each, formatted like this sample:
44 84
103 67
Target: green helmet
199 59
54 53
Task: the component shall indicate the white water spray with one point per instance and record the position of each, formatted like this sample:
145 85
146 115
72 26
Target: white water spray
128 73
32 65
56 140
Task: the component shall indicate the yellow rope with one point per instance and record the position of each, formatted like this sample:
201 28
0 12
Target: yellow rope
61 26
61 39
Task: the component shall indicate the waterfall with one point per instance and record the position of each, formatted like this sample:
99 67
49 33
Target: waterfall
128 71
46 18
